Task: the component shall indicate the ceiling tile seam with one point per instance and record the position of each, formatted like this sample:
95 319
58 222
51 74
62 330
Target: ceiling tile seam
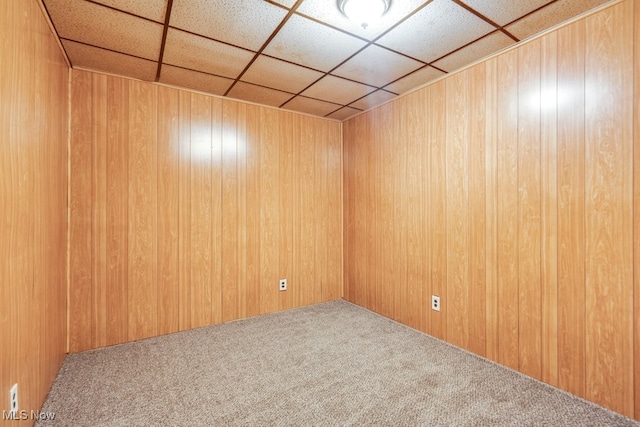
375 89
106 6
408 74
210 39
266 43
419 8
326 24
274 3
165 30
341 108
531 13
363 97
107 49
54 29
460 48
400 53
485 18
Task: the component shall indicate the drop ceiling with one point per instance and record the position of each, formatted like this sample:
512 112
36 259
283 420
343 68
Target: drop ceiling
300 55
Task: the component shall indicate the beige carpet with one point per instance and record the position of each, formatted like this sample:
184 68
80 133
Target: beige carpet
327 364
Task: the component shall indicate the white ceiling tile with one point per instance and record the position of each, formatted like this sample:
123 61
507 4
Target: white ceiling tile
277 74
245 23
343 113
259 94
100 26
436 30
504 12
198 53
287 3
311 106
373 100
338 90
551 15
414 80
194 80
377 66
107 61
483 47
150 9
311 44
327 11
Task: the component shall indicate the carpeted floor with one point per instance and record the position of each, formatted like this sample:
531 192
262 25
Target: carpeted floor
327 364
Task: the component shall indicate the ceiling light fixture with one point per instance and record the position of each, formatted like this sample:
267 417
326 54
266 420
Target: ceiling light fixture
364 12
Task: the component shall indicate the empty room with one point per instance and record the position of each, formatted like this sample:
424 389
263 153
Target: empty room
319 212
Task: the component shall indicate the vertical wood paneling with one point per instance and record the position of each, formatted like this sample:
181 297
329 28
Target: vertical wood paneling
636 205
491 234
184 211
529 207
242 238
269 211
207 203
253 210
457 209
80 263
477 205
413 307
530 220
215 288
117 208
286 268
507 209
98 214
306 233
168 210
143 287
230 224
202 223
549 207
34 123
571 284
608 211
438 225
334 221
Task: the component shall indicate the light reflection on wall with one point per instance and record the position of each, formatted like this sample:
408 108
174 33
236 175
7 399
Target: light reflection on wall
549 99
213 146
201 146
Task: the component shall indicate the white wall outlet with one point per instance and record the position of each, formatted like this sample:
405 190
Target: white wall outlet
435 302
13 400
283 284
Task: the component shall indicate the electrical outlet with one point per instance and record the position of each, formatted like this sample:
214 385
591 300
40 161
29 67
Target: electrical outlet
435 302
283 284
13 400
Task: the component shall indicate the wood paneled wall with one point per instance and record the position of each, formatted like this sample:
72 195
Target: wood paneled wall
507 190
187 209
33 197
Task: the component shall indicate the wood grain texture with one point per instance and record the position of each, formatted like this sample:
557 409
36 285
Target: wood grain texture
204 198
143 286
608 207
549 207
507 209
34 123
457 209
636 205
117 210
168 210
438 224
491 234
530 208
477 205
571 255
